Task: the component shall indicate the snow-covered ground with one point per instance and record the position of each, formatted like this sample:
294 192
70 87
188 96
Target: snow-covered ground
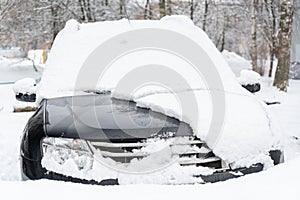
12 70
276 183
285 115
12 125
280 182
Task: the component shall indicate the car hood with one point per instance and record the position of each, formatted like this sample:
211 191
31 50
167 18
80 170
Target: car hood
100 117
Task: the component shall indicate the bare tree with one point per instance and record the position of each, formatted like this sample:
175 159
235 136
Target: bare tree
270 30
106 2
162 8
284 45
148 10
121 7
87 14
5 7
223 35
55 26
205 15
169 7
253 46
273 34
192 9
31 24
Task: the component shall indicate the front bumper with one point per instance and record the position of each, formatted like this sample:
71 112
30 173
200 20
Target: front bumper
215 177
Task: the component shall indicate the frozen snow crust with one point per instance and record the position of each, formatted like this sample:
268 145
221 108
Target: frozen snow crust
246 135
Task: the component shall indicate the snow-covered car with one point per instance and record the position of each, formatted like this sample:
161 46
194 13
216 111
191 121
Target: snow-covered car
250 80
25 93
100 135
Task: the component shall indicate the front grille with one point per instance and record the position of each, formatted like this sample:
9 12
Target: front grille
188 151
173 160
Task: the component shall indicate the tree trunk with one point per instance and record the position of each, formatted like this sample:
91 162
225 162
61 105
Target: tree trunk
192 10
205 15
121 7
86 12
89 14
253 46
224 33
169 7
162 8
147 10
83 13
55 26
272 49
284 45
150 11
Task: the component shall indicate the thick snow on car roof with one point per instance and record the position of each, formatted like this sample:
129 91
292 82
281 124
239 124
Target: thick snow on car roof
245 136
74 44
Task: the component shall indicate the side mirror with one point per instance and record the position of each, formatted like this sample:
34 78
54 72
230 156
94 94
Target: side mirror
250 80
252 87
25 90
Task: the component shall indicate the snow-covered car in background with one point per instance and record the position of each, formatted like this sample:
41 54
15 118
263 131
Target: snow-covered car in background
25 90
25 93
86 134
250 80
295 70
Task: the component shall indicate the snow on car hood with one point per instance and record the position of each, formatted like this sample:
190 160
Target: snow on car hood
245 136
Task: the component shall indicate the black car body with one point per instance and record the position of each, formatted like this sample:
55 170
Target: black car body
72 117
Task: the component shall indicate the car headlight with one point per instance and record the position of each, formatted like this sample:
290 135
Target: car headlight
61 150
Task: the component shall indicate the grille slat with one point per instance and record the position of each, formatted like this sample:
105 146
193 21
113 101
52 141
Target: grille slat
199 161
130 145
142 154
125 154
